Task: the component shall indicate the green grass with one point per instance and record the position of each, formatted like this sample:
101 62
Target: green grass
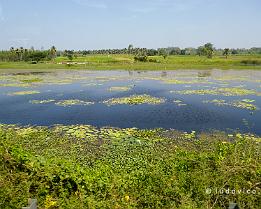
86 167
108 62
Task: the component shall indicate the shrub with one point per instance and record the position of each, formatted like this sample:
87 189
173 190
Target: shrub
141 58
251 62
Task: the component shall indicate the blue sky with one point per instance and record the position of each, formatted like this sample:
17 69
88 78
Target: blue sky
96 24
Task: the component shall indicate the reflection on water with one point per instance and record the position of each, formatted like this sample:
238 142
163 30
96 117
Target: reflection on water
182 99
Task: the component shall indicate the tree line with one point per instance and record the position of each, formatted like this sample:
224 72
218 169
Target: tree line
28 55
140 54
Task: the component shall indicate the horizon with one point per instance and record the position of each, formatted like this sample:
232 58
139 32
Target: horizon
104 24
169 47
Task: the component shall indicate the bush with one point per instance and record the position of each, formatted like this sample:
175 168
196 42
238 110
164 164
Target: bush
154 60
126 168
251 62
141 58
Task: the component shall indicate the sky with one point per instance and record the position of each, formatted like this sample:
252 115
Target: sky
102 24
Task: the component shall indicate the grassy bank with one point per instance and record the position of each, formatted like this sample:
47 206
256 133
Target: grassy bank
86 167
108 62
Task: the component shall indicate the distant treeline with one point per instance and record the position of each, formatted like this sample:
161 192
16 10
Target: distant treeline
28 55
170 51
34 56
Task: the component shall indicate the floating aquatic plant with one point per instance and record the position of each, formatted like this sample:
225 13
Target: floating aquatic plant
54 81
92 84
219 91
42 101
91 133
179 103
174 81
72 102
242 104
15 85
24 93
120 88
135 100
248 100
32 80
189 136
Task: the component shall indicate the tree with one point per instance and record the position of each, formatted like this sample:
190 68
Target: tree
201 51
175 51
38 56
234 51
53 52
11 49
208 47
206 50
130 48
163 52
69 54
226 52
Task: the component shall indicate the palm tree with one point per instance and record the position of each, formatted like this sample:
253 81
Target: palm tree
21 53
130 48
53 52
226 51
12 49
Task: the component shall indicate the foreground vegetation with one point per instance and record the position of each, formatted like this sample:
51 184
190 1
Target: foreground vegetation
86 167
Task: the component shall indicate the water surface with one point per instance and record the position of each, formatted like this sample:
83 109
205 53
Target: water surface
179 110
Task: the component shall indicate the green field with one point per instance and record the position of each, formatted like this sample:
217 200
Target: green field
107 62
86 167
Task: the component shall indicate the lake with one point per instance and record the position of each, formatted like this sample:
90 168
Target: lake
187 100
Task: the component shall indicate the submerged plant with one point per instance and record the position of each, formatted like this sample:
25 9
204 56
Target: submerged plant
135 100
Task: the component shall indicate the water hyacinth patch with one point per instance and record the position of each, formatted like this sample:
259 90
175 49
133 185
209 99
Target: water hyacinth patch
64 103
120 88
92 84
179 103
242 104
248 100
135 100
219 91
19 93
174 81
32 80
72 102
190 136
23 85
42 101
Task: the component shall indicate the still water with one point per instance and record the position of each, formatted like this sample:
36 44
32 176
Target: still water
197 100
